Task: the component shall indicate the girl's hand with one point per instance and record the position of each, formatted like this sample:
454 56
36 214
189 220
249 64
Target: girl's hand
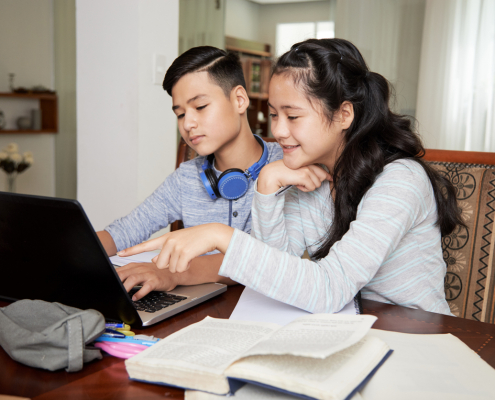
276 175
180 247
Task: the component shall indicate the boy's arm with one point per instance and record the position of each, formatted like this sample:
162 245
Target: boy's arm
203 269
107 242
157 211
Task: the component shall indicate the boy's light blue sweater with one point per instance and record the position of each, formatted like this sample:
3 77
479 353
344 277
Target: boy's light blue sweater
182 196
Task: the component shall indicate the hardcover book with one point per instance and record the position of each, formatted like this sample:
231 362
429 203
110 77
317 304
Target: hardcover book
320 356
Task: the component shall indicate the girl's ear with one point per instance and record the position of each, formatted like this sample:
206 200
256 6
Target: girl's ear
346 114
240 99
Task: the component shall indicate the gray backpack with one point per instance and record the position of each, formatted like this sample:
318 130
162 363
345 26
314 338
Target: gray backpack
50 335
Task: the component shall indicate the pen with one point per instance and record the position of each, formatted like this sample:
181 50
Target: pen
125 332
112 333
117 325
104 338
282 190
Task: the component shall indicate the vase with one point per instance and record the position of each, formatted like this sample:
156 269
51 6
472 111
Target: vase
2 120
11 178
24 123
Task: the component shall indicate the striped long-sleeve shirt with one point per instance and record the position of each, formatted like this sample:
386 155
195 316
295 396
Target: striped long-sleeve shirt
392 251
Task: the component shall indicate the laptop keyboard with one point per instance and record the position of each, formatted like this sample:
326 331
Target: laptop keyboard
155 301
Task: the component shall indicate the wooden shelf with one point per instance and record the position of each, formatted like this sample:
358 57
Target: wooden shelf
48 107
252 52
30 95
262 96
256 63
247 47
14 131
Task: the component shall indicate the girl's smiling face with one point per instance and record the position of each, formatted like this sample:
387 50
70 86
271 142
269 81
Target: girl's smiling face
302 128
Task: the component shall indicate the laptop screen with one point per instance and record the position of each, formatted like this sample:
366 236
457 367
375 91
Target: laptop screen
49 251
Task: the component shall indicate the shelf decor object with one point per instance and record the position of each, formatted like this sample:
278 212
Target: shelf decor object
48 111
2 120
256 61
13 163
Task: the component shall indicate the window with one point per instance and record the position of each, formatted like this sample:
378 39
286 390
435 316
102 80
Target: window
288 34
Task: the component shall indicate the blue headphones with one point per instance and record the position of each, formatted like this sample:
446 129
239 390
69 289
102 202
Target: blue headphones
232 183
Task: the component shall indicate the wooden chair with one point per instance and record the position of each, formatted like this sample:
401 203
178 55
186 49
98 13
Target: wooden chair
469 254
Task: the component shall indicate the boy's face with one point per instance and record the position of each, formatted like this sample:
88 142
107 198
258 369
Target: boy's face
207 119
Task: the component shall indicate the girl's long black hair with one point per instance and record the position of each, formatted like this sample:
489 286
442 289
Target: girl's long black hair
333 71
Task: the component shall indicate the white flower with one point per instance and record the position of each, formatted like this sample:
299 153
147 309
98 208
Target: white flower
29 160
12 148
16 157
3 155
28 154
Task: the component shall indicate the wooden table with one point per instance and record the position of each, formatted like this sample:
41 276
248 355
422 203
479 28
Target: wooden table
107 378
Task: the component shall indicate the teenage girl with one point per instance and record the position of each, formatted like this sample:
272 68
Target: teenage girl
363 203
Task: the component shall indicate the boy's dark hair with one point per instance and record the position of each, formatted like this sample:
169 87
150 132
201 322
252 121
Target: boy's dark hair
223 68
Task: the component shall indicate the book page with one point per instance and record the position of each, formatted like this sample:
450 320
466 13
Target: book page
315 335
334 377
210 345
429 367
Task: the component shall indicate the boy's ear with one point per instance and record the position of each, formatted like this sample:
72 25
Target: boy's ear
240 99
346 114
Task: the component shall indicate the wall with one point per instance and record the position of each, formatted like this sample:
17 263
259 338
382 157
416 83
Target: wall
26 48
157 145
201 23
65 85
273 14
388 33
258 22
126 129
242 19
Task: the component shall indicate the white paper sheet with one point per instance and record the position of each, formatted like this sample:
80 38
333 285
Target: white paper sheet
429 367
147 256
254 306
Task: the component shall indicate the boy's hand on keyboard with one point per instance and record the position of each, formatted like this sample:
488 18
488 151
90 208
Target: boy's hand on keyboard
148 276
179 248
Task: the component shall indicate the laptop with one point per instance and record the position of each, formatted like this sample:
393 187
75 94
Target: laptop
50 251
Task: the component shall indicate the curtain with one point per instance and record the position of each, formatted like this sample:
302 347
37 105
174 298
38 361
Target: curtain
455 103
388 35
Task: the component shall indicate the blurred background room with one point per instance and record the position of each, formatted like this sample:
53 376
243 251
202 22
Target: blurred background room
80 80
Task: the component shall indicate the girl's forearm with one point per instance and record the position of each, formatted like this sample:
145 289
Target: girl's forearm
266 184
223 234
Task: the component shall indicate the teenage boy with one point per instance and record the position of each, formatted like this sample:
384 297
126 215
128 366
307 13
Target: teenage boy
210 101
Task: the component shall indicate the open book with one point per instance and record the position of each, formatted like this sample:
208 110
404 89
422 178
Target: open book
426 367
323 356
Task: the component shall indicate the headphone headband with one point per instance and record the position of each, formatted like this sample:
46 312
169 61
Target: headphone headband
254 170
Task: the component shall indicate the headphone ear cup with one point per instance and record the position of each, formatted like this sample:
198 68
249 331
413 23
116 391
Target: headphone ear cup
210 182
232 184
